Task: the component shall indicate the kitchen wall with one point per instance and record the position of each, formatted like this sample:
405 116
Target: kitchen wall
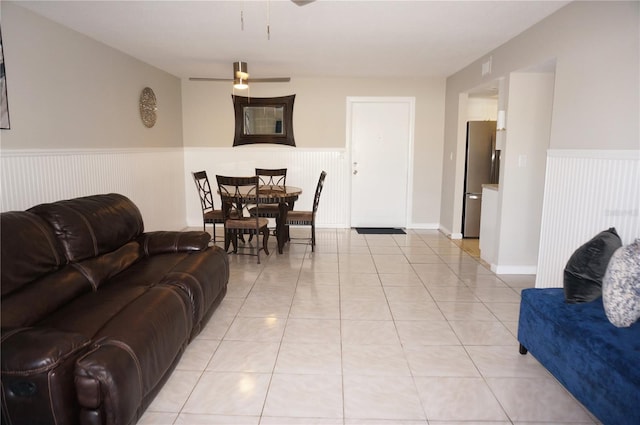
594 50
595 45
482 109
75 123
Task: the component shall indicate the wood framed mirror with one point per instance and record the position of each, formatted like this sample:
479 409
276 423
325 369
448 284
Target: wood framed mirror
263 120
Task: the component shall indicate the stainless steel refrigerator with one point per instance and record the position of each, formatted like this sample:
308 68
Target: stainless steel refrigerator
482 166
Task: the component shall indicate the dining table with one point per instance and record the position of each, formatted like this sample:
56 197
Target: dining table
284 196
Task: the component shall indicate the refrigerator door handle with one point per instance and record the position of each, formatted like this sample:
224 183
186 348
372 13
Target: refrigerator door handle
474 196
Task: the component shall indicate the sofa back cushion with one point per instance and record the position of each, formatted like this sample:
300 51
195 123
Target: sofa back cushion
93 225
28 249
40 298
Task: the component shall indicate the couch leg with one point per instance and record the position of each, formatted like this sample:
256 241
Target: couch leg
523 350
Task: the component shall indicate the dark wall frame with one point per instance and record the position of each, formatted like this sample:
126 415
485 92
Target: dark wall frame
4 102
286 138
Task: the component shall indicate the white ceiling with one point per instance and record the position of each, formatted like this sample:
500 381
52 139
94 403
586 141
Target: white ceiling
321 39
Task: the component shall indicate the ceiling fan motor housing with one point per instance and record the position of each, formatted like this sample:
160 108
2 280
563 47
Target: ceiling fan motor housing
240 75
240 70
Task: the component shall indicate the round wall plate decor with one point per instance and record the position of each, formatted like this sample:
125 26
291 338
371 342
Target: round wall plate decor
148 107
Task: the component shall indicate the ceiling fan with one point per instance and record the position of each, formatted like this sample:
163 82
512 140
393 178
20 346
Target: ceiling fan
241 77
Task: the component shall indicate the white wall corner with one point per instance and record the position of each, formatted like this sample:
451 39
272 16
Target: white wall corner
449 234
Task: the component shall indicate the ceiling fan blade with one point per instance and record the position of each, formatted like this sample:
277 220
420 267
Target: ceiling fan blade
240 72
269 80
209 79
250 80
239 67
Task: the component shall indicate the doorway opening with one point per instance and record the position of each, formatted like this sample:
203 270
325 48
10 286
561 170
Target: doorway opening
510 227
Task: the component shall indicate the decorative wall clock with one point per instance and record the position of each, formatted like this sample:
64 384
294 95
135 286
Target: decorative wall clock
148 107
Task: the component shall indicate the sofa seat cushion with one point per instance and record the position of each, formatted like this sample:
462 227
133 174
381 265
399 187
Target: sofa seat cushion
89 312
200 275
594 360
203 276
155 327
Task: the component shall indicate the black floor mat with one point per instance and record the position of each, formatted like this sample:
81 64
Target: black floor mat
380 231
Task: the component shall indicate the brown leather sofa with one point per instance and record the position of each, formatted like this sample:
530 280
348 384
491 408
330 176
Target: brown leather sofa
95 312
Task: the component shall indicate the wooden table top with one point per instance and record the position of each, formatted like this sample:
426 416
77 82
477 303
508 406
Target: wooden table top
269 194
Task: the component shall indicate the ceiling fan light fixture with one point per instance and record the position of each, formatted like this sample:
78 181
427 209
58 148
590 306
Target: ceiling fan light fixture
240 84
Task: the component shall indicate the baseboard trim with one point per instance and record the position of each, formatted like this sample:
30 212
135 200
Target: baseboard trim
424 226
449 234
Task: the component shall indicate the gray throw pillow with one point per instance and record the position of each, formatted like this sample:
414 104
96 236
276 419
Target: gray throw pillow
586 267
621 286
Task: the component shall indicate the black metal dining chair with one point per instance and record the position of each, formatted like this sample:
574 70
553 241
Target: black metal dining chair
234 191
209 213
308 218
270 177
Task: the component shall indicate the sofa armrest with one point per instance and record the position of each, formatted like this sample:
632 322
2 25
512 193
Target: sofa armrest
162 242
37 374
109 384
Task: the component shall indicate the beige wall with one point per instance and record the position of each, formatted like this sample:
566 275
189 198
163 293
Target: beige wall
67 91
76 127
319 112
319 121
596 100
522 180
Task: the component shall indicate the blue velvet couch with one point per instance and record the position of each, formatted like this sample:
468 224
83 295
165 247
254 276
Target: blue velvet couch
596 361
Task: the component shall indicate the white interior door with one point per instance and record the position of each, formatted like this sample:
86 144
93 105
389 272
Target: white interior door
381 137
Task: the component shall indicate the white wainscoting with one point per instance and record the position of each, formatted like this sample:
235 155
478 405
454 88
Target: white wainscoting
152 178
159 180
585 192
303 170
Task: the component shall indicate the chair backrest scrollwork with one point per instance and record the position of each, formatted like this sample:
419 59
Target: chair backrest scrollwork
272 176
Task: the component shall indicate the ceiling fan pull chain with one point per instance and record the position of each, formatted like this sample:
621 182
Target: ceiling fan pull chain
268 19
242 15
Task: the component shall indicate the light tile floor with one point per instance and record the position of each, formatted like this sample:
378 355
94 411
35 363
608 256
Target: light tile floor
368 330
